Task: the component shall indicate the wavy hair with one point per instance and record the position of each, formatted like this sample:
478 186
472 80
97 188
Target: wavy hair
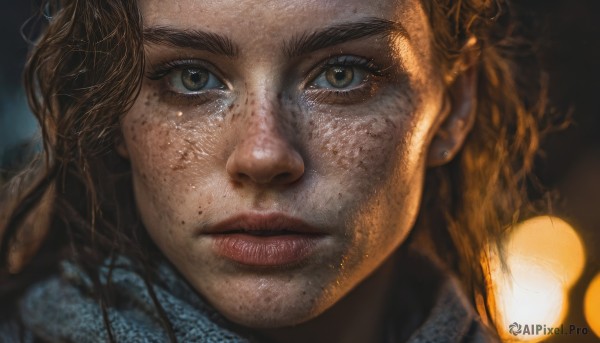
85 70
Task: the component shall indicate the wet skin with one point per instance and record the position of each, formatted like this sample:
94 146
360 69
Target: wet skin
266 127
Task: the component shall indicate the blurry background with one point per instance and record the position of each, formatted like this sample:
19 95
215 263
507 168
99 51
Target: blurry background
556 260
17 125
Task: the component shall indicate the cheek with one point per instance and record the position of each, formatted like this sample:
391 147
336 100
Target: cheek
375 158
172 154
364 147
355 147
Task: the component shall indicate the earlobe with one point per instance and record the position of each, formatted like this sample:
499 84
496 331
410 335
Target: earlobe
461 105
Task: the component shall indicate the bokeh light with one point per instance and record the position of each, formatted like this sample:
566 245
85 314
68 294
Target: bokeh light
551 243
545 257
591 305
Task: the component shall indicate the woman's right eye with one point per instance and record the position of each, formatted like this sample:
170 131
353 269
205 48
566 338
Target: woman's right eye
192 80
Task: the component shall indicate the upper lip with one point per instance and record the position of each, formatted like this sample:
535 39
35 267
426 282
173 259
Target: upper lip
263 222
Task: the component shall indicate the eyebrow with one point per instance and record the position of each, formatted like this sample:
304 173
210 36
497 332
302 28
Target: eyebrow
297 46
341 33
193 39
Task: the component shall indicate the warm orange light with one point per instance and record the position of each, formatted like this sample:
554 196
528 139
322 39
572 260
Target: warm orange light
591 305
530 295
553 244
545 257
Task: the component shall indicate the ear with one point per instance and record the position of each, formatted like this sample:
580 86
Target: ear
120 146
458 111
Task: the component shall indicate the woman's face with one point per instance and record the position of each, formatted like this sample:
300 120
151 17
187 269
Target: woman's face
278 150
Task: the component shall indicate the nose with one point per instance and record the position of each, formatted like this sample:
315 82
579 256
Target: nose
263 155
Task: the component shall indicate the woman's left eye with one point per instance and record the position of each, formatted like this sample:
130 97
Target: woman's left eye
340 77
191 80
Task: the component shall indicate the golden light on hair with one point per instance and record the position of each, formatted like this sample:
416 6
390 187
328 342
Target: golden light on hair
591 305
545 257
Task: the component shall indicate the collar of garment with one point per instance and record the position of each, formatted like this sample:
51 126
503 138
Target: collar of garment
63 308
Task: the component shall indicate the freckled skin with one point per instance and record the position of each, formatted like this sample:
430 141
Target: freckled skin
357 169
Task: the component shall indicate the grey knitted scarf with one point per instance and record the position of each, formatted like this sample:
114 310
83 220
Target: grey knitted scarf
61 309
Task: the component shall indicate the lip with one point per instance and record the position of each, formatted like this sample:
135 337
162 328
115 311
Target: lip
264 239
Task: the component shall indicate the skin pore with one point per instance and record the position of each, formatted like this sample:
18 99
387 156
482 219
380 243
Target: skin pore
320 110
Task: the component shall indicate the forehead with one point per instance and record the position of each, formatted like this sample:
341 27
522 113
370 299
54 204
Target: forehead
252 22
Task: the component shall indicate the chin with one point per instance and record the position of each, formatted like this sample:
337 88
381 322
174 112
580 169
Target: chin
271 313
270 302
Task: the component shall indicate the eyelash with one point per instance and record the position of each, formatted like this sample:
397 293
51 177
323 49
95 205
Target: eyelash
353 61
160 71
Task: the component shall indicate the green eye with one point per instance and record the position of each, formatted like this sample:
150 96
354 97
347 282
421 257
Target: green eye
192 80
339 77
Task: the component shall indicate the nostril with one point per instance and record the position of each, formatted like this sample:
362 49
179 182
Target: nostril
241 176
283 177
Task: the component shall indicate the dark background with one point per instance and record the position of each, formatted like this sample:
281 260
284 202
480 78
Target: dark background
568 34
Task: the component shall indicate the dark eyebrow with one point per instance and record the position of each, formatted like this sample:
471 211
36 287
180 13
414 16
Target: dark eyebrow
340 33
194 39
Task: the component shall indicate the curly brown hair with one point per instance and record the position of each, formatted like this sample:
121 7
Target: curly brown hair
85 70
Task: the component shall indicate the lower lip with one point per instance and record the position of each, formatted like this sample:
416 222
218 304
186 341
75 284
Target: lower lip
265 250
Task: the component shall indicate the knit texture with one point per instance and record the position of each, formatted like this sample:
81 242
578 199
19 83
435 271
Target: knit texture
61 309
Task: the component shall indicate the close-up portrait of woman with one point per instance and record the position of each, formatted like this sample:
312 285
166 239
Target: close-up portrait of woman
275 171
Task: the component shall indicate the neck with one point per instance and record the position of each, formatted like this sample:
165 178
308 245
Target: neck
362 314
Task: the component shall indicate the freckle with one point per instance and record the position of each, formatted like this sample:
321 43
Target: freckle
335 152
246 103
144 122
252 103
199 212
252 114
311 123
182 222
230 107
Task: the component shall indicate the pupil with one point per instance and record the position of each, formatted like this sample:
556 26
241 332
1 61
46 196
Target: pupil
340 77
194 79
